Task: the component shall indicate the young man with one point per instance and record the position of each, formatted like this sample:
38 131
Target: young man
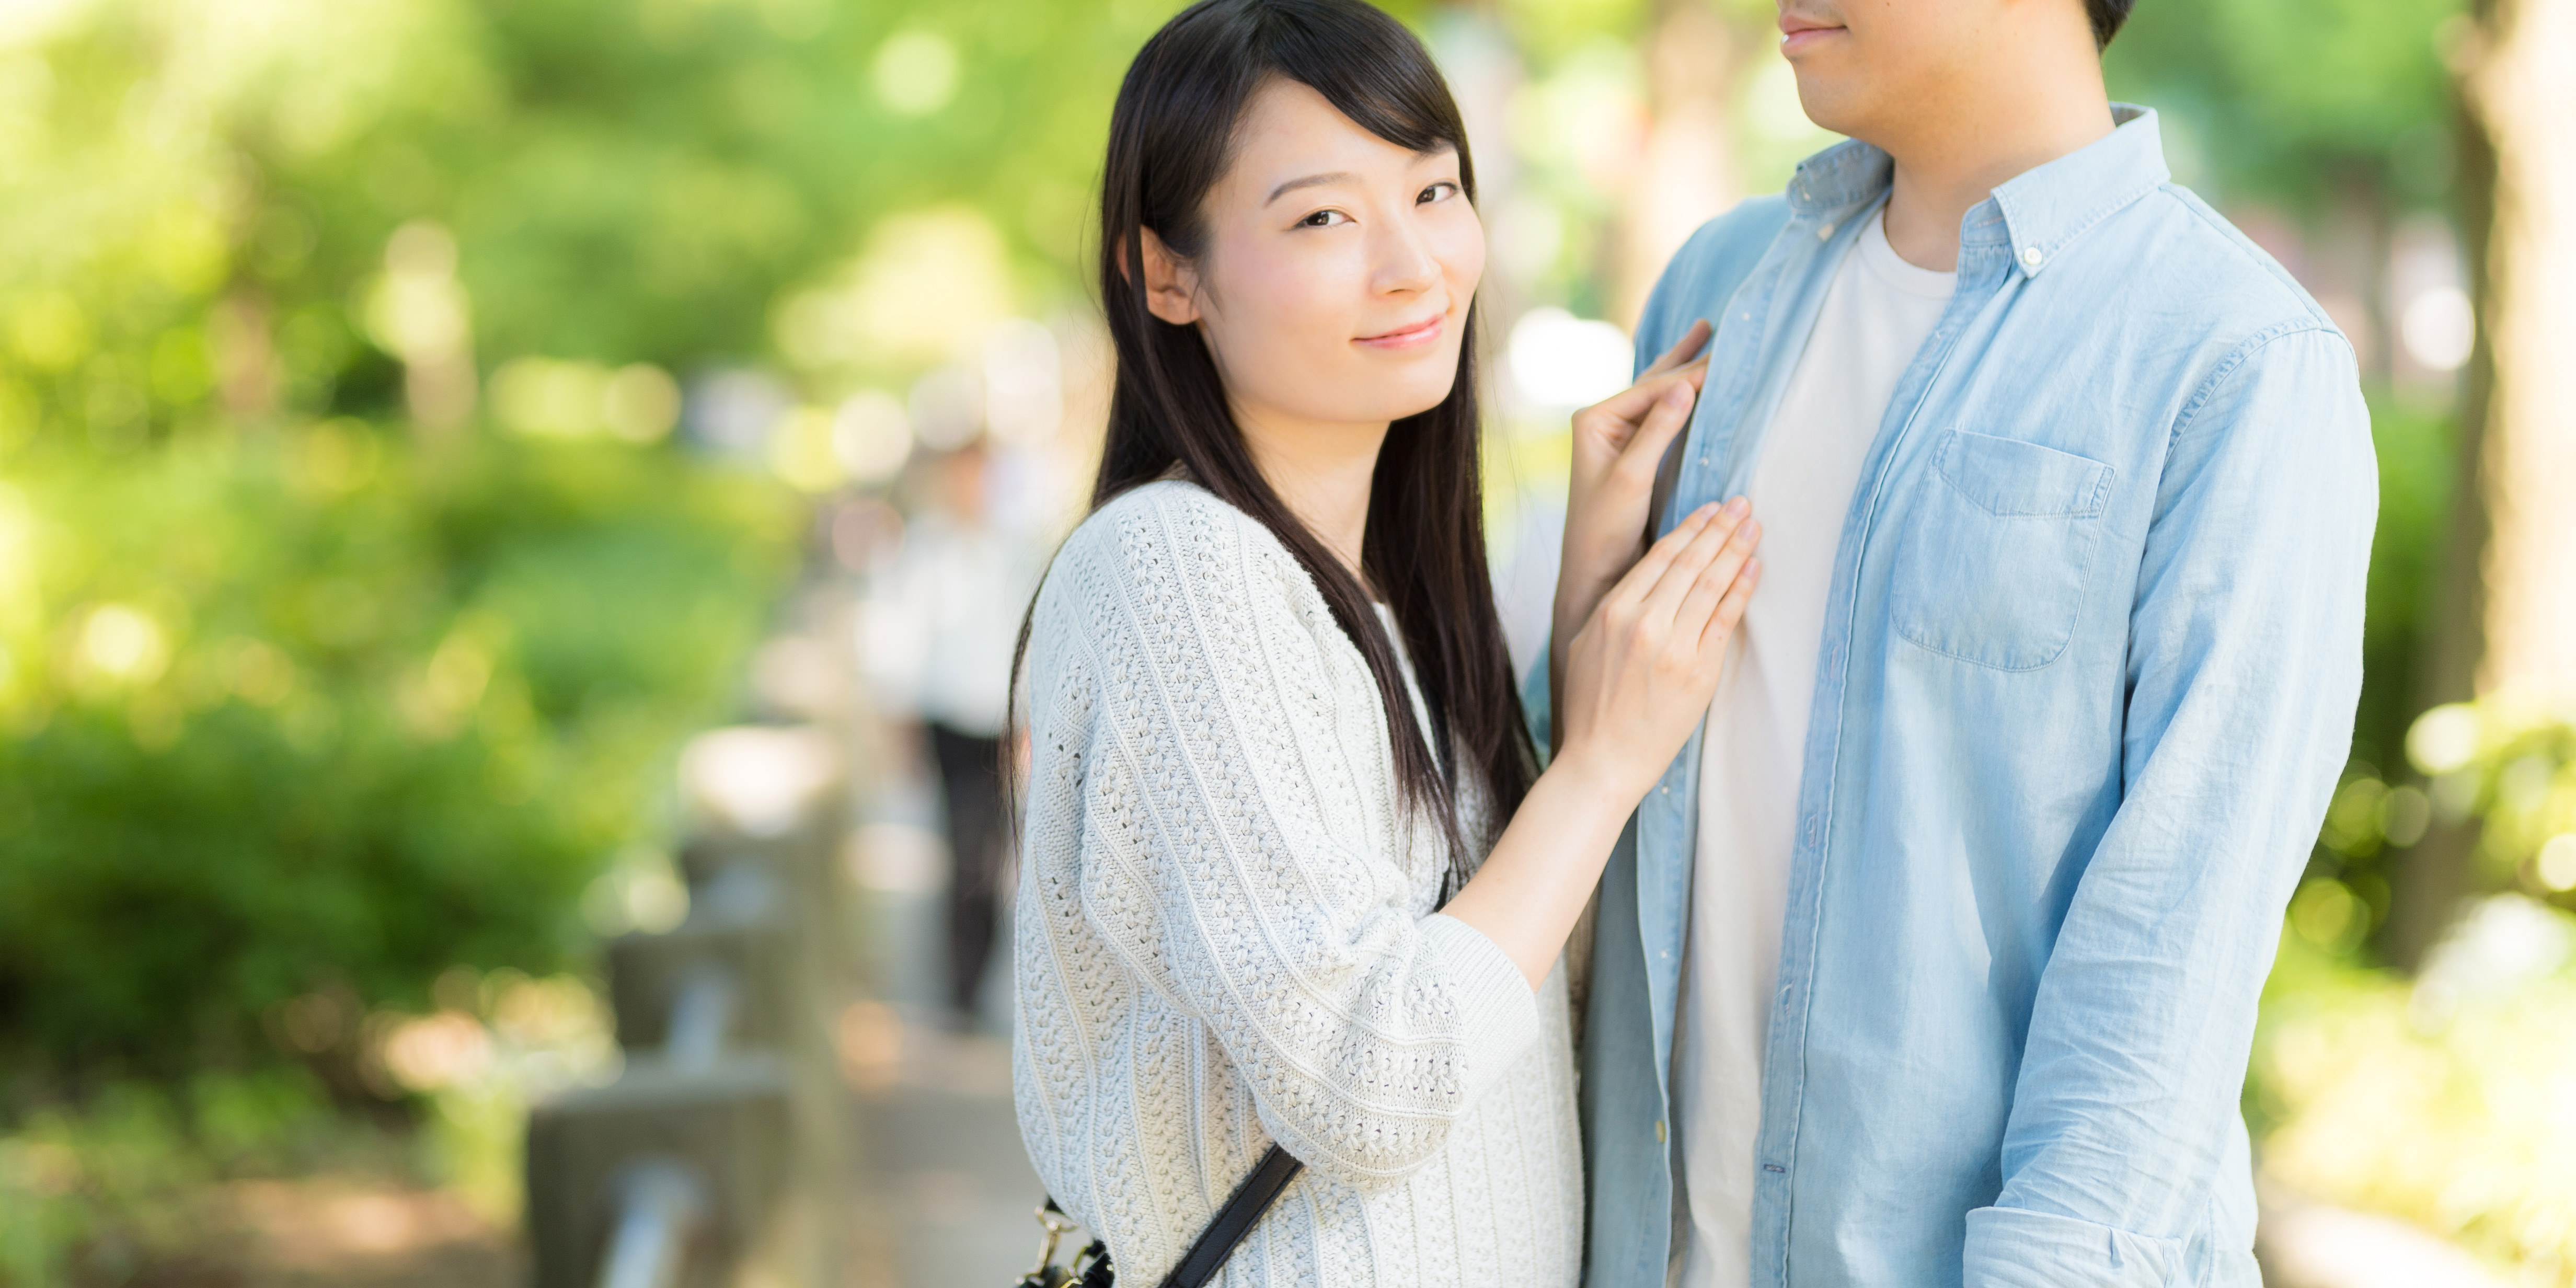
1935 959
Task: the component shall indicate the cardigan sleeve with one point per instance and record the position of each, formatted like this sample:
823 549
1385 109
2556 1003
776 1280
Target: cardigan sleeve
1240 848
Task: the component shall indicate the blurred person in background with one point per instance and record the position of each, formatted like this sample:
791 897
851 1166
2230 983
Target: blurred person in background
1294 892
959 581
1936 957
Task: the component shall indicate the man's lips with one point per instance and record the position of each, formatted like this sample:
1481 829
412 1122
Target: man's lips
1409 335
1798 32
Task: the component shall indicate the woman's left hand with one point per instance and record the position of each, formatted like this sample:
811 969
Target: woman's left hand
1618 444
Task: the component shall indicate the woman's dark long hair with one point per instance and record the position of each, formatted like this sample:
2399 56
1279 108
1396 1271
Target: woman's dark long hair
1171 139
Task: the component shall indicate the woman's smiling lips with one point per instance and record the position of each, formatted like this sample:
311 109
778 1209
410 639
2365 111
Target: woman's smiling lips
1407 337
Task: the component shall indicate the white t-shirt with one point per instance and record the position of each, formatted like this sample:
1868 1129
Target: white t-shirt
1874 319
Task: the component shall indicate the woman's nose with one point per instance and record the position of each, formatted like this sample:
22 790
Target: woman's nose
1405 263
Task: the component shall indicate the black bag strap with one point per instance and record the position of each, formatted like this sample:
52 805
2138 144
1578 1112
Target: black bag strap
1207 1255
1234 1220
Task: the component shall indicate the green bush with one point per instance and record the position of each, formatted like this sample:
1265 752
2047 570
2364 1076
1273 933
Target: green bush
2443 1099
129 1185
326 709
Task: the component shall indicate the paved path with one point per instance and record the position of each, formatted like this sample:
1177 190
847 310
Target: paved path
945 1193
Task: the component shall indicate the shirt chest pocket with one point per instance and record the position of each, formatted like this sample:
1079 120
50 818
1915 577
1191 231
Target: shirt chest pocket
1991 561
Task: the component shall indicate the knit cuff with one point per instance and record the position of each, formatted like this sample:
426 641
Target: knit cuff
1497 1009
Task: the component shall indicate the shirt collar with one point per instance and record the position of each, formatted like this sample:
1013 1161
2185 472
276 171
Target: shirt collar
2036 214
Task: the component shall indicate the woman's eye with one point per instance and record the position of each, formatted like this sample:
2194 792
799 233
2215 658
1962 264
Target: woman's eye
1323 219
1437 192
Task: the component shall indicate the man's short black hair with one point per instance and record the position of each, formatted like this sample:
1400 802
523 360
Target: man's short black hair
2107 17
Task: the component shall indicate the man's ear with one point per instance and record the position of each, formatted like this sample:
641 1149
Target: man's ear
1171 286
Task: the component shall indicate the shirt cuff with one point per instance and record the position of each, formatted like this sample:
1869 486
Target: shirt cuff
1497 1009
2018 1248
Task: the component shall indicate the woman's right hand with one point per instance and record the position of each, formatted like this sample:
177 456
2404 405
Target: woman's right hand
1641 672
1637 678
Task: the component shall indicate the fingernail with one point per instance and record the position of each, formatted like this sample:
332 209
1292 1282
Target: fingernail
1738 506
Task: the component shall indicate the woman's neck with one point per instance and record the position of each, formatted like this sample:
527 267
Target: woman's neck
1322 473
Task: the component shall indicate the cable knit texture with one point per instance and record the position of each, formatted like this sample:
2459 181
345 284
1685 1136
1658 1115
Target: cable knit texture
1226 936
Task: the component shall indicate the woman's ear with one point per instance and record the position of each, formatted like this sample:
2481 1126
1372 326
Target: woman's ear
1171 286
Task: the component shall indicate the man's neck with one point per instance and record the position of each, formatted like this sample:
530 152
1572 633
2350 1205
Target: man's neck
1322 473
1948 161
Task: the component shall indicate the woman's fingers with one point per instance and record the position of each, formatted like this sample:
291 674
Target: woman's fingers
1645 448
1709 546
1730 610
1627 405
1640 579
1691 342
1705 595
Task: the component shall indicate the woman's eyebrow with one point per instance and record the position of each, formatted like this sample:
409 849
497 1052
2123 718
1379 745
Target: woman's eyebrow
1310 181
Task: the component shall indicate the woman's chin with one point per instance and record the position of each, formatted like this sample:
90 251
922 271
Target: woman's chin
1412 402
1416 391
1373 394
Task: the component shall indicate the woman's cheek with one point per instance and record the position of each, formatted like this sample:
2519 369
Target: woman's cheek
1462 256
1323 297
1281 289
1291 325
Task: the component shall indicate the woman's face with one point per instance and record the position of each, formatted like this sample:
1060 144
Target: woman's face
1337 271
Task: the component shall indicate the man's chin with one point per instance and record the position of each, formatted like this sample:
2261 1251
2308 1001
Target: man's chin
1832 100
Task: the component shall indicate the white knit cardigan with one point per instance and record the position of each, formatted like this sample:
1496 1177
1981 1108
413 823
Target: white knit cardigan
1226 936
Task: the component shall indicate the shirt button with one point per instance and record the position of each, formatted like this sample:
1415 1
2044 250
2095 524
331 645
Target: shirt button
1659 1131
1825 233
2030 256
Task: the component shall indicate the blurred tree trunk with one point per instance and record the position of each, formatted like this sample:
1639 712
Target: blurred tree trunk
2522 85
2505 617
2364 202
1689 173
238 334
2431 875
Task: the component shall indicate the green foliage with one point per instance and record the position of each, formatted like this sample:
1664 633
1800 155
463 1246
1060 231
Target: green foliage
2416 453
96 1196
195 197
2441 1099
326 708
289 702
2448 1111
2299 101
2511 762
1550 28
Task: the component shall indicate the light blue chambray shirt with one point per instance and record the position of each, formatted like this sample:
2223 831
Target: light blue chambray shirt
2086 682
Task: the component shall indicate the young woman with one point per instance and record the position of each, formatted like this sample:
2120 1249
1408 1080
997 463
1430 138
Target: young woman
1290 873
